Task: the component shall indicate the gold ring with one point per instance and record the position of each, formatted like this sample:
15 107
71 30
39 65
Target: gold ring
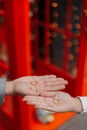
34 82
56 101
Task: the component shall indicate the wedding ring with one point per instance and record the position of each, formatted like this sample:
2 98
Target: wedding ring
56 101
34 82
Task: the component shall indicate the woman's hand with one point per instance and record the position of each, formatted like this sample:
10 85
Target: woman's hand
55 101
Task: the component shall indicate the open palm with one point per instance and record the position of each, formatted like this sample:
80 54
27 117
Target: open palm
53 101
35 85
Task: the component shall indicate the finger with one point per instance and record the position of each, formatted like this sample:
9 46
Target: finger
54 87
47 77
36 100
40 100
35 103
61 79
33 98
44 78
41 77
56 82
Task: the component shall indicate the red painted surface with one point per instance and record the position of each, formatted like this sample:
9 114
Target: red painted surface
19 52
18 45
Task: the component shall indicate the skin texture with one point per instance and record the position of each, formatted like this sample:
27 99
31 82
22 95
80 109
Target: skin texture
55 102
35 85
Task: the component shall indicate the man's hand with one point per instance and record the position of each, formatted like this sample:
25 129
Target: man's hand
35 85
55 101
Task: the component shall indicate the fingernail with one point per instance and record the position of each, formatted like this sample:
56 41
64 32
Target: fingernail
24 99
66 81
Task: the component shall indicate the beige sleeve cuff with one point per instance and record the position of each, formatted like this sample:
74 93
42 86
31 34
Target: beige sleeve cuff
84 103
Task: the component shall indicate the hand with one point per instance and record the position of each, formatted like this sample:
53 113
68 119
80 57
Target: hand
55 101
34 85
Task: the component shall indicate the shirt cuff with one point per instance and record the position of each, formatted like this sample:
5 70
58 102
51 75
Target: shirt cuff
2 90
83 100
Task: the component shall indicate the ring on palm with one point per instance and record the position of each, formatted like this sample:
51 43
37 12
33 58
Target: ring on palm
55 101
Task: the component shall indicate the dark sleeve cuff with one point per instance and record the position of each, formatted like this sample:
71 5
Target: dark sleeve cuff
2 90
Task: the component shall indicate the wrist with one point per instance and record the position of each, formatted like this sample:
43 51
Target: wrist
77 105
9 88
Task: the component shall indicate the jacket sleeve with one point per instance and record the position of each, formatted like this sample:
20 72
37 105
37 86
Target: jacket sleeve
2 90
